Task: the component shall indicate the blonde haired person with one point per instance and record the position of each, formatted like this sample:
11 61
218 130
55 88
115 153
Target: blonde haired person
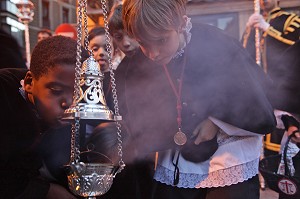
192 80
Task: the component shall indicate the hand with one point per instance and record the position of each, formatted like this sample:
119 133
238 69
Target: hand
296 137
257 21
57 191
203 143
205 131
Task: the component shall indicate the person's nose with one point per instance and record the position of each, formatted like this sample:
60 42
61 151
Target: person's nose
67 102
126 42
64 105
100 52
153 53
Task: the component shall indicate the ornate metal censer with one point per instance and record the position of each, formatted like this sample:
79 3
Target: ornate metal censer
91 179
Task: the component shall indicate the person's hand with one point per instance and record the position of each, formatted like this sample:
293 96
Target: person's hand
257 21
296 137
205 131
57 191
203 143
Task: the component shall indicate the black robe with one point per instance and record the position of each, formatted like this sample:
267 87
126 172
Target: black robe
285 95
20 130
274 47
220 80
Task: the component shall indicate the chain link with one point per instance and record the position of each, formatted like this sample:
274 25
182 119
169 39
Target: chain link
113 84
82 14
76 126
85 28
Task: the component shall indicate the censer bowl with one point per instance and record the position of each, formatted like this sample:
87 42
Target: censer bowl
90 179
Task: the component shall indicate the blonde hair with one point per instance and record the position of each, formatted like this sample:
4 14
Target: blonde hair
142 16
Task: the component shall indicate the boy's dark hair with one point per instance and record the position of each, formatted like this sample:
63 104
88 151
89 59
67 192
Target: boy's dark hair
96 32
51 52
44 30
115 22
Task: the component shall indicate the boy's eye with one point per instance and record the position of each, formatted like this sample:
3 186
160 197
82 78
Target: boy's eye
56 91
118 37
95 49
162 41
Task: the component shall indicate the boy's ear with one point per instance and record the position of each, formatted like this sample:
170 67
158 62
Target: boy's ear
28 82
182 27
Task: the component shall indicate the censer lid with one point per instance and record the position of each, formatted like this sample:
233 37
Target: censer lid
91 104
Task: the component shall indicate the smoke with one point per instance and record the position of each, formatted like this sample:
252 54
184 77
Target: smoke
220 80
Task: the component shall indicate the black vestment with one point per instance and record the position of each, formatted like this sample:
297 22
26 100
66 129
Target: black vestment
220 80
20 130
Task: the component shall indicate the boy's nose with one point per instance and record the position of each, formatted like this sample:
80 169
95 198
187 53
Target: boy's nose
100 52
126 42
66 103
153 54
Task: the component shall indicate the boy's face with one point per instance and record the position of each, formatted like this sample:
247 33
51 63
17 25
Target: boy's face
125 43
98 45
161 47
52 93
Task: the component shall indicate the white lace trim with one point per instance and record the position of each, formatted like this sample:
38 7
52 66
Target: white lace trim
219 178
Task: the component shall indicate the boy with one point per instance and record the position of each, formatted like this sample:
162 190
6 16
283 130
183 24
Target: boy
32 102
125 43
136 179
201 105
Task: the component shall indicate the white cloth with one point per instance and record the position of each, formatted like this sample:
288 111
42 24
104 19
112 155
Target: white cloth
236 160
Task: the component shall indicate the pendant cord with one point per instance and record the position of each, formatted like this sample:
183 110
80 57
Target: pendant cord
177 93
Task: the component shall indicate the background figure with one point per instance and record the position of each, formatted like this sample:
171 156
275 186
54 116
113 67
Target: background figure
124 42
280 30
11 53
97 43
200 82
43 34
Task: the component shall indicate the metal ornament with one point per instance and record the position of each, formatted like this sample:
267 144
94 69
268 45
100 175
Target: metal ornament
180 138
91 103
25 15
257 35
258 61
90 179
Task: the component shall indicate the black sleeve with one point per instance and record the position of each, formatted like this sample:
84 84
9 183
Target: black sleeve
36 188
289 121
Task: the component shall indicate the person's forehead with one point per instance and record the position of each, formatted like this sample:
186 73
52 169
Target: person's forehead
99 40
153 35
43 34
119 31
60 70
